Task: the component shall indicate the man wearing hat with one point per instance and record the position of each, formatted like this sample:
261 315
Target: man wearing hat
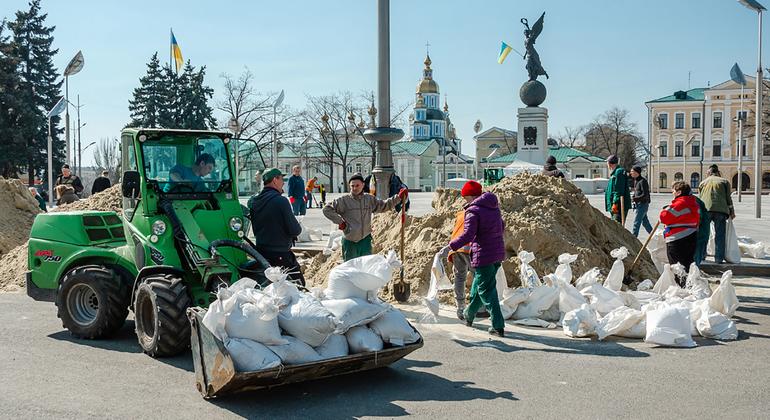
69 179
550 168
353 214
274 225
715 193
617 196
641 200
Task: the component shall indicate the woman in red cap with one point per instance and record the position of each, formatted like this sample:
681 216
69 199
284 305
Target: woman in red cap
483 228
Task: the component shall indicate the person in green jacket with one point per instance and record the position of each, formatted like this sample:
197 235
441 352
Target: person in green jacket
38 198
617 188
715 193
704 231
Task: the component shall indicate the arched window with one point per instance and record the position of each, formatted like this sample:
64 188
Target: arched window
494 146
663 180
678 177
694 180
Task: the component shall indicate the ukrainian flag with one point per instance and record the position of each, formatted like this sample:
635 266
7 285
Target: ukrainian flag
505 49
176 52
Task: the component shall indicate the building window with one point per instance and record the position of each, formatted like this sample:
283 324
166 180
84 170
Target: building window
694 180
717 123
678 177
494 146
663 149
663 121
358 168
696 120
717 148
663 180
695 148
678 148
679 120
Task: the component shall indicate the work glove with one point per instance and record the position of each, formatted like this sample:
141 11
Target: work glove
615 209
444 252
292 200
403 194
343 226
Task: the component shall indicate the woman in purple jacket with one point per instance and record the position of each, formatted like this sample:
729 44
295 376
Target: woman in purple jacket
483 228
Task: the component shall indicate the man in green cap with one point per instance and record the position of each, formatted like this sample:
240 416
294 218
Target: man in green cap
274 225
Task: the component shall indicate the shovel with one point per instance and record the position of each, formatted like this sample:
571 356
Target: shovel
627 279
401 289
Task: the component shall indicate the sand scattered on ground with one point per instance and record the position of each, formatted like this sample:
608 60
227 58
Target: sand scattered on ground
543 215
17 211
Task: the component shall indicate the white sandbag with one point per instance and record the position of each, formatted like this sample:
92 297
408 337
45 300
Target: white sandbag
393 328
712 324
362 339
216 316
535 322
357 277
284 291
750 248
669 326
335 236
295 352
588 278
665 280
724 299
335 346
549 280
540 299
638 330
614 279
242 284
353 312
553 313
696 284
438 270
431 302
254 316
732 250
569 297
602 299
618 320
645 297
644 286
630 300
308 234
511 300
308 320
250 356
580 322
657 250
564 270
527 274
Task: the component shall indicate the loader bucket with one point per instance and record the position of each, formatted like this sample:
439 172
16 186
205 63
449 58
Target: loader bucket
215 373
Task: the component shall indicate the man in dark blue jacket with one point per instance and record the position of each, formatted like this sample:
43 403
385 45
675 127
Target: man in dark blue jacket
275 227
297 192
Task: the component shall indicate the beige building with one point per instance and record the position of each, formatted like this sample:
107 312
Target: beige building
493 143
691 130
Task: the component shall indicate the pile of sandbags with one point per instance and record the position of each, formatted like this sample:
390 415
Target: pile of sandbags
663 313
281 325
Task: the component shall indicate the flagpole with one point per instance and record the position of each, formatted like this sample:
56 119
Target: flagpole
170 46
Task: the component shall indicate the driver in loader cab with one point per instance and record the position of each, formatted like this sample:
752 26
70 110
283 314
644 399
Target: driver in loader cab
203 166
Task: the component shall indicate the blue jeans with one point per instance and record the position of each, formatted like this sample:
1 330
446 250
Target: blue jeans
720 231
298 206
640 218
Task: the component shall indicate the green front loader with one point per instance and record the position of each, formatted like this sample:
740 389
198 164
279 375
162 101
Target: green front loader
181 235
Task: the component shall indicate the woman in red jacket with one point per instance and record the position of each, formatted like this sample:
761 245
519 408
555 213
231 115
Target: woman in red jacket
681 218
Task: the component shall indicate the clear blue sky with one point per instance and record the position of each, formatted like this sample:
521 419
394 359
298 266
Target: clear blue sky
599 54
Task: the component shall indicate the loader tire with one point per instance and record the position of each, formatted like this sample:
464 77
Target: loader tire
160 306
92 301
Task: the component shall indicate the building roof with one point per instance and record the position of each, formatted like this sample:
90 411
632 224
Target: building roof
413 147
682 96
562 155
505 132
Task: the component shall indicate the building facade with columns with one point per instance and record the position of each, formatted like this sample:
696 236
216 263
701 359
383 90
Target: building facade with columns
694 129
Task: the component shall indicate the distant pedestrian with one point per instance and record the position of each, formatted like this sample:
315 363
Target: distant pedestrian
309 191
715 193
68 178
322 191
641 201
483 229
617 197
681 220
38 198
550 168
101 183
297 192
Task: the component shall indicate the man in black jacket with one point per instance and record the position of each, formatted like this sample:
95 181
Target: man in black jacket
641 199
274 225
101 183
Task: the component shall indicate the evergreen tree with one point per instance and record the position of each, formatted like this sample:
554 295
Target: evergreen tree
38 89
12 146
150 98
195 112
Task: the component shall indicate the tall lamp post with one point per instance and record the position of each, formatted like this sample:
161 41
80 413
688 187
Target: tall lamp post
476 128
74 66
758 149
276 104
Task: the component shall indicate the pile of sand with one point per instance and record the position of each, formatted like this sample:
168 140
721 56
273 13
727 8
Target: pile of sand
17 211
543 215
14 263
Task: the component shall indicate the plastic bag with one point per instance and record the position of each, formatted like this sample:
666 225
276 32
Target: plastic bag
359 276
669 326
353 312
308 320
540 299
431 301
437 270
732 250
614 279
665 280
724 299
644 286
254 316
563 270
750 248
527 274
579 322
603 300
696 284
393 328
588 278
295 352
619 319
511 300
335 346
362 339
712 324
657 249
250 356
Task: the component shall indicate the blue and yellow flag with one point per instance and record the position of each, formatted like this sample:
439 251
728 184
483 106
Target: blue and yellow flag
176 52
504 51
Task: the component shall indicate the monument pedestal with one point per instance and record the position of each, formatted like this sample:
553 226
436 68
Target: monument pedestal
532 137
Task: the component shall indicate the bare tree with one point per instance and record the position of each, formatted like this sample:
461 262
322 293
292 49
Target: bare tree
573 137
749 125
107 157
613 133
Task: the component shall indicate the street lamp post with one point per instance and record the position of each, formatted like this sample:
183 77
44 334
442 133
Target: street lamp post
755 6
74 66
476 128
